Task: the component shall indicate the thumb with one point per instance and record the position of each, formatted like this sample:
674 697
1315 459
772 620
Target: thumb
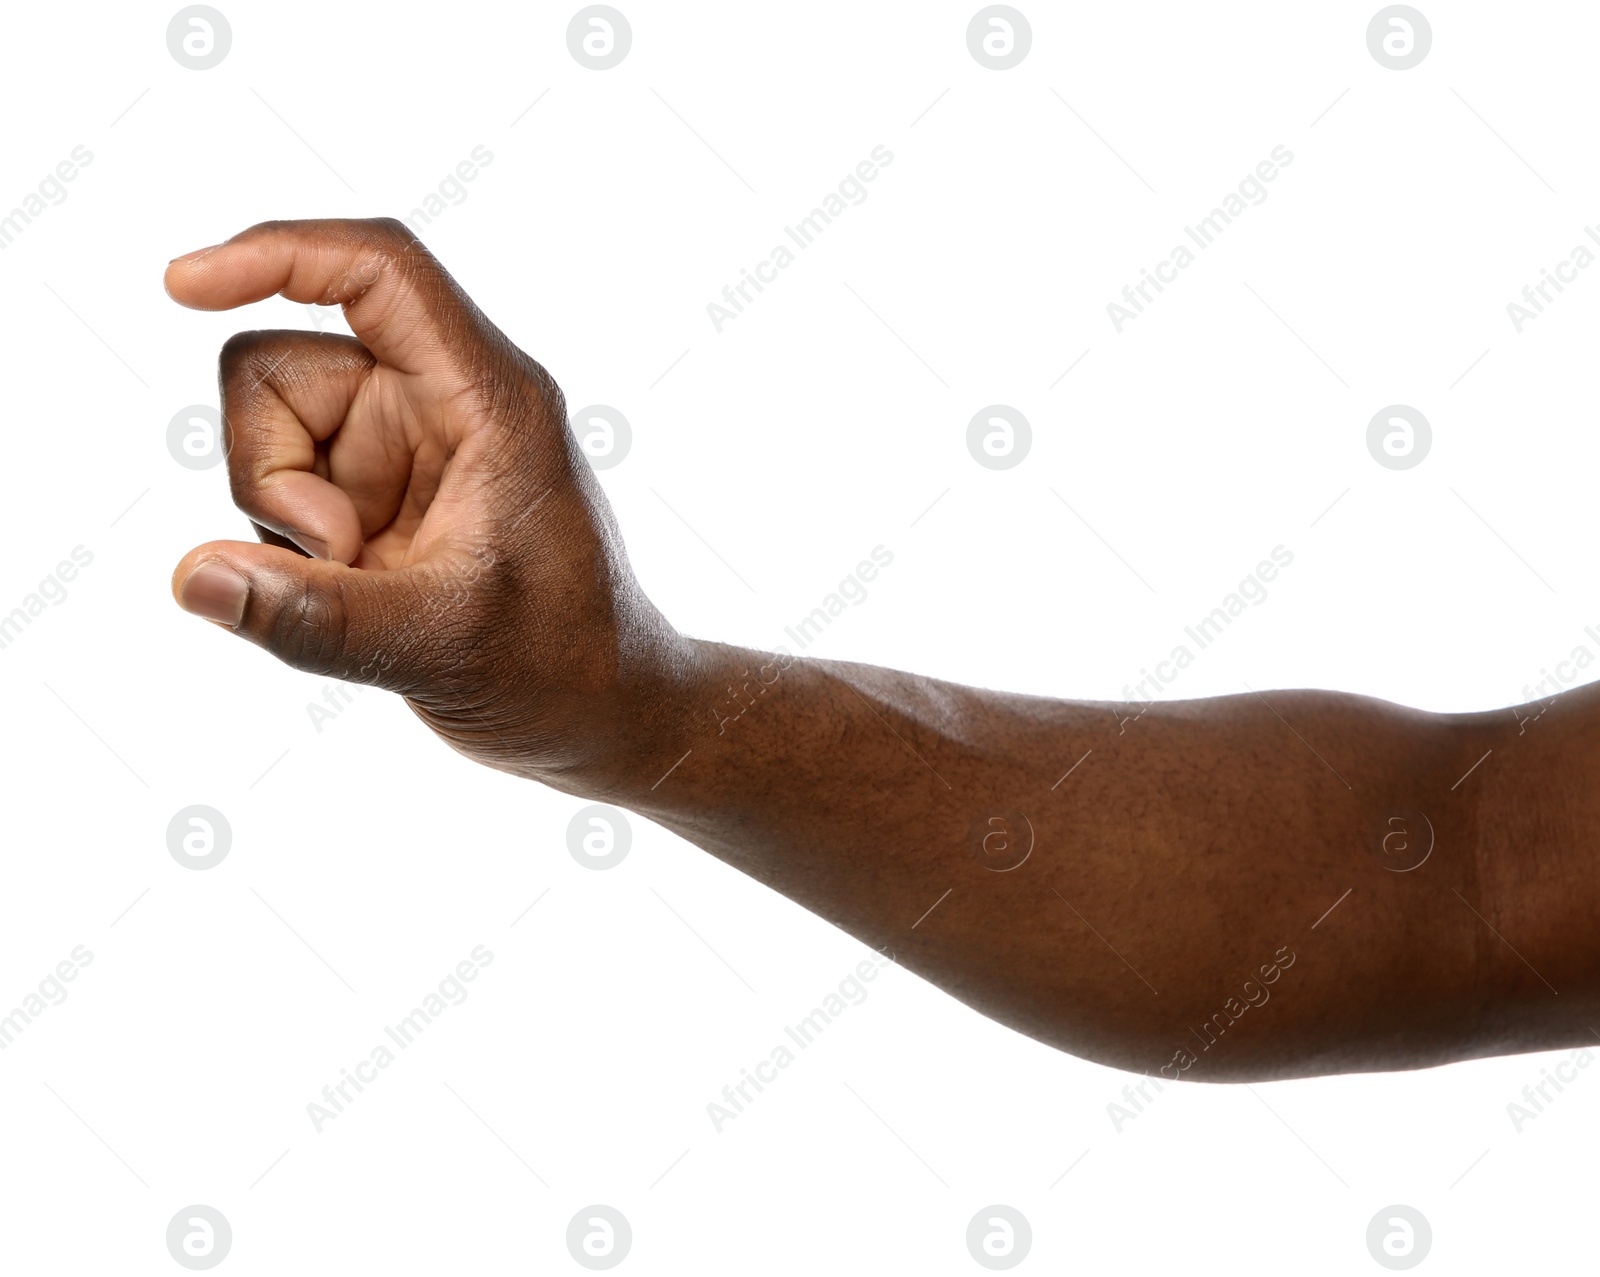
315 614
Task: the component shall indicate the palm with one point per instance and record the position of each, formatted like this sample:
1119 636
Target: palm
390 456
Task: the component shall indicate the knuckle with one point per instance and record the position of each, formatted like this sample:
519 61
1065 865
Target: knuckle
243 482
394 231
261 357
244 472
249 488
552 397
240 349
310 628
382 251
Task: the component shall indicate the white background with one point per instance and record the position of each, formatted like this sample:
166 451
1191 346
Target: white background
368 859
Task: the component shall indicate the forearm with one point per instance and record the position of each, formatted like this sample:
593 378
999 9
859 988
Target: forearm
1178 890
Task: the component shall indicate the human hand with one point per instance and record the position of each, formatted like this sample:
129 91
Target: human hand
461 552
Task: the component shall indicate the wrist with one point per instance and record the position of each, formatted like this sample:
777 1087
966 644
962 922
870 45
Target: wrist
644 723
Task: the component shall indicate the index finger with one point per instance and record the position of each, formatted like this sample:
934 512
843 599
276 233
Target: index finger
399 301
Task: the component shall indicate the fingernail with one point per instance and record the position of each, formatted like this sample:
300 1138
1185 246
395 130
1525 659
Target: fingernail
312 546
198 253
215 591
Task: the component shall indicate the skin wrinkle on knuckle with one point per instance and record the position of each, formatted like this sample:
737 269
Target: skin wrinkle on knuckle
239 352
397 231
308 628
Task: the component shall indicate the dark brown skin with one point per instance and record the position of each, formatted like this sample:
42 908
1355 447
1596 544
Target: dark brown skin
1233 863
